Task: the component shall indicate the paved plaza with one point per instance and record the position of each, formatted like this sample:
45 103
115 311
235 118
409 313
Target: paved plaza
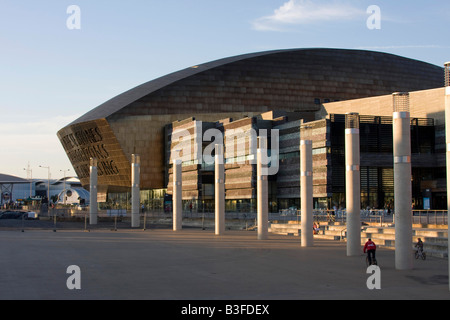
195 264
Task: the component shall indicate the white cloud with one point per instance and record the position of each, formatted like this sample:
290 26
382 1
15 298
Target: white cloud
295 12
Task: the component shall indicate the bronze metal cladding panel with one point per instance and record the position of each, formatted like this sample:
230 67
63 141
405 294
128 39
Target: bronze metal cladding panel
150 137
273 80
95 139
287 80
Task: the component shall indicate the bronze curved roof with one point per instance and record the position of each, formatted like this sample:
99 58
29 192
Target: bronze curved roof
123 100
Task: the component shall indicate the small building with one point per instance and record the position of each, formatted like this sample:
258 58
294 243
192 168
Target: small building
74 196
13 188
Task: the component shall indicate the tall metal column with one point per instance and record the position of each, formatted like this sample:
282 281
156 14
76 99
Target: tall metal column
93 205
306 187
353 184
402 181
447 140
219 197
176 195
262 192
135 189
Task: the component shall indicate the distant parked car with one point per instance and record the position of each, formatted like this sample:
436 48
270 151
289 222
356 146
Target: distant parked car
32 215
7 215
13 215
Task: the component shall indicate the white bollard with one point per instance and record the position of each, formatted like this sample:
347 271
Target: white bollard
135 190
262 193
176 196
402 182
353 184
219 197
447 140
306 189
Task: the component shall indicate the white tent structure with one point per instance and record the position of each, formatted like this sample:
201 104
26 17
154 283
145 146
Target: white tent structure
74 196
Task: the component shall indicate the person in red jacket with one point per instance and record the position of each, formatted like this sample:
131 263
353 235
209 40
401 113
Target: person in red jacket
370 248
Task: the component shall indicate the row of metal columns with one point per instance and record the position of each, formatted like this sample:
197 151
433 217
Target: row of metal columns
135 191
402 185
402 182
402 190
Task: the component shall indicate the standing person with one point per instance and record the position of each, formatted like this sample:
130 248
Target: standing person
370 248
316 228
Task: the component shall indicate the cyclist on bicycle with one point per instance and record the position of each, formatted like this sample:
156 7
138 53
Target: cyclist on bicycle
419 245
370 248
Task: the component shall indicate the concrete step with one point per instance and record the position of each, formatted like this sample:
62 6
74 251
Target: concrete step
380 230
424 232
334 227
327 237
375 235
380 242
337 233
432 246
327 231
435 240
430 226
285 229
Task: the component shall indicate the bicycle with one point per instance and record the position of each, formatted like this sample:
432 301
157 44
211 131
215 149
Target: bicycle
331 218
420 254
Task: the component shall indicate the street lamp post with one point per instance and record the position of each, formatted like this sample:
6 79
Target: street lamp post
48 182
30 177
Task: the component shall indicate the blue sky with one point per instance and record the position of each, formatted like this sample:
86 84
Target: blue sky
50 74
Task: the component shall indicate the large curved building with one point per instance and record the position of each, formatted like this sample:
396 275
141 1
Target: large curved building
295 80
